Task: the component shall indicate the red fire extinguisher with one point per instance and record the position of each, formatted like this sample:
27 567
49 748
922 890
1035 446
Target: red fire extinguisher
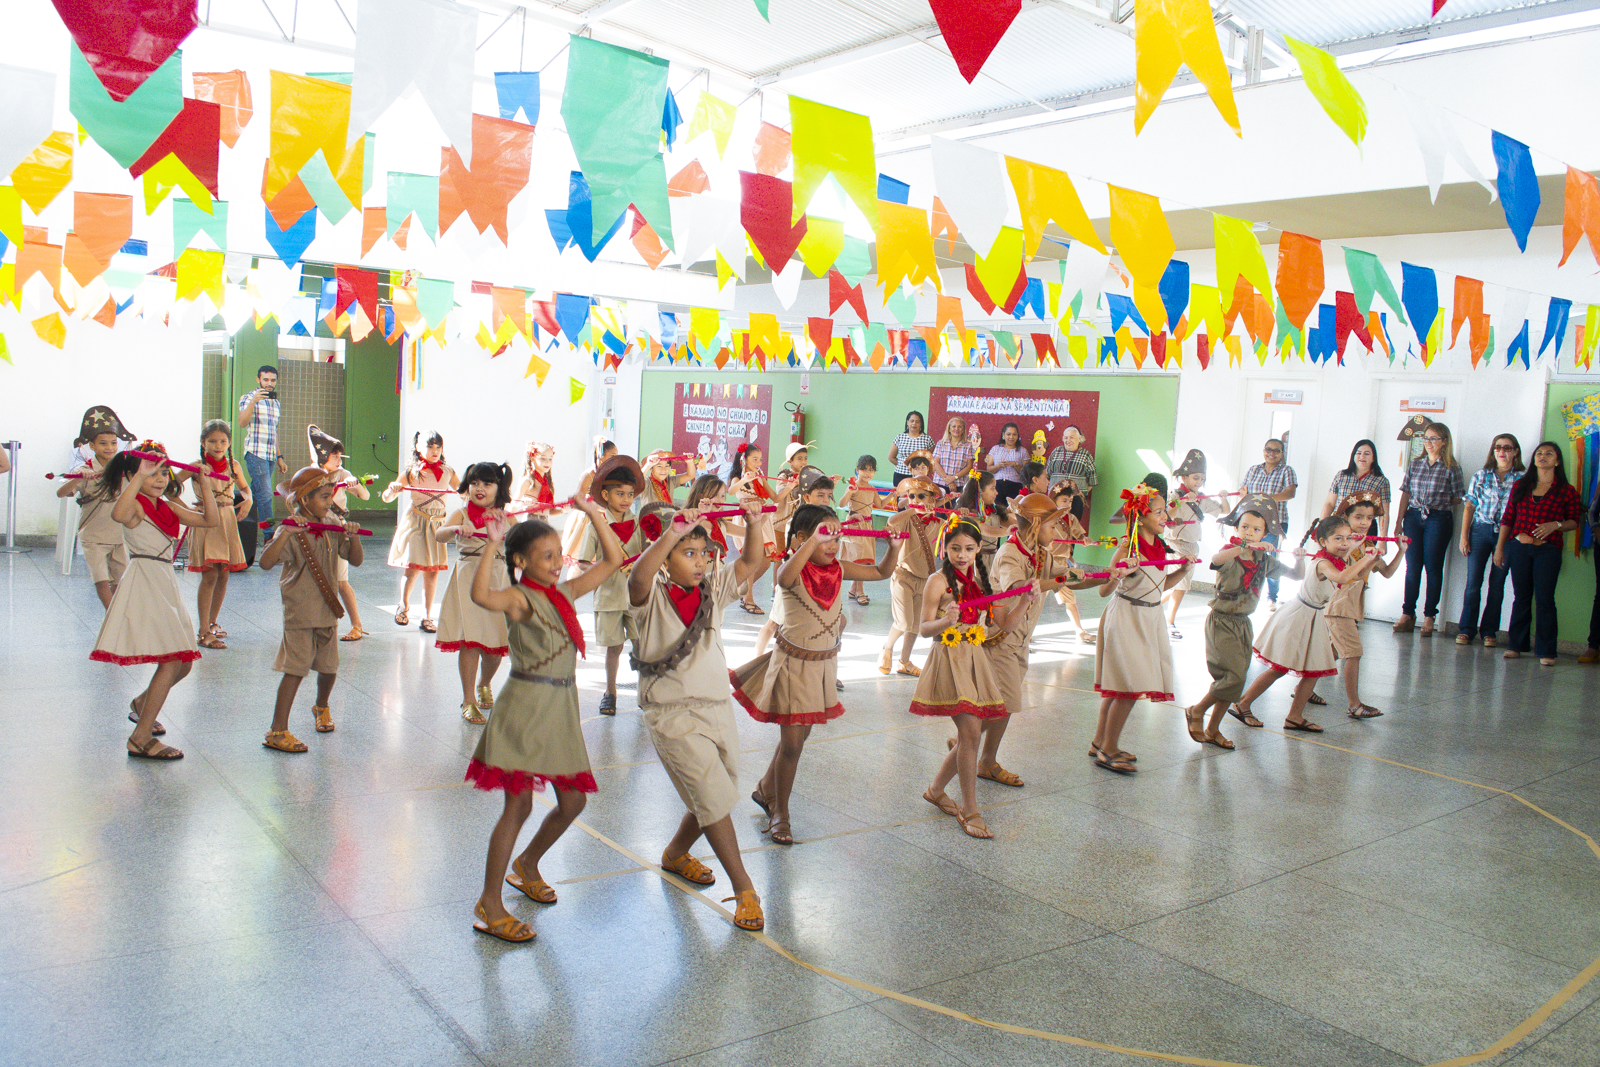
797 421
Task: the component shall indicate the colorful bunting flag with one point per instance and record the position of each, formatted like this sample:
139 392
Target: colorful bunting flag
972 28
827 140
1331 89
1167 33
1518 184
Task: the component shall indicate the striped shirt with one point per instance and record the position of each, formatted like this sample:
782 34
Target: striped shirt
905 444
956 460
1345 484
261 437
1488 493
1432 486
1079 466
1270 483
1009 462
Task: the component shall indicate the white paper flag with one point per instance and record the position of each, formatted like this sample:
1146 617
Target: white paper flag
425 43
27 99
972 185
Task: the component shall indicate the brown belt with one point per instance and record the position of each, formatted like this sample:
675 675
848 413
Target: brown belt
159 559
794 651
545 679
1141 603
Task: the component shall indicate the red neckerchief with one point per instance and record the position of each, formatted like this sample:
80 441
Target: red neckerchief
1322 553
1154 553
1251 567
543 491
970 589
479 517
1029 556
623 530
435 469
923 514
218 466
759 488
662 488
160 513
563 606
716 533
686 601
823 582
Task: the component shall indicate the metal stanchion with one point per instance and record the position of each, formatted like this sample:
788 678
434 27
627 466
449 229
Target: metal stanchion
12 447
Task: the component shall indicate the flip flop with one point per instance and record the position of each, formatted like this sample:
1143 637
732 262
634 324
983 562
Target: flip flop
509 929
1305 725
968 822
1118 764
153 749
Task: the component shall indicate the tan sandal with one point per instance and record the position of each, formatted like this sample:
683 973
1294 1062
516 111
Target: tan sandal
909 669
535 889
153 749
942 801
1218 740
283 741
747 912
778 830
355 633
886 661
428 626
485 698
156 729
975 826
689 869
996 773
509 929
1192 719
403 617
470 712
206 640
324 719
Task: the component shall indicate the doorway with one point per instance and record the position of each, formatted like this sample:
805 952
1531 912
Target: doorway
1285 410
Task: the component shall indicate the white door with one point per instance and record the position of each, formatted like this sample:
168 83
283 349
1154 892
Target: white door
1286 410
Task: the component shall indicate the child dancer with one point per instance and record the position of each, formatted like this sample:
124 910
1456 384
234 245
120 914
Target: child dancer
795 685
311 609
216 552
1185 514
678 595
1133 656
747 479
814 488
477 636
146 621
536 486
577 528
1244 563
415 548
98 533
1345 608
1070 505
979 502
327 452
614 487
705 495
959 680
859 500
911 572
535 736
1295 639
660 479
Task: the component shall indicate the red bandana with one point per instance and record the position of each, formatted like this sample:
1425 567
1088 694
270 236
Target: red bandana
759 488
1338 564
160 513
1031 558
479 517
687 601
543 491
623 530
435 469
663 490
1251 567
219 465
563 606
823 583
970 589
716 533
1155 553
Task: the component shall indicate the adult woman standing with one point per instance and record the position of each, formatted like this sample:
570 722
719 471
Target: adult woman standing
1362 474
1480 534
1542 508
913 439
953 457
1005 462
1428 495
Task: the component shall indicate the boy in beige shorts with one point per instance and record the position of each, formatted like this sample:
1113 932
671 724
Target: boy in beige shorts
98 533
614 487
917 561
311 608
1346 608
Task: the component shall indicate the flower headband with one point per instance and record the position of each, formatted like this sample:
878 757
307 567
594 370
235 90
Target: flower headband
1136 501
148 445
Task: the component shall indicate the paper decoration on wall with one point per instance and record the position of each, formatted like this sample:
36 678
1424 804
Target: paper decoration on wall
972 28
1518 184
1368 277
29 100
714 115
126 41
311 115
125 128
766 208
503 152
827 140
1167 33
46 171
1239 255
1580 214
192 138
612 105
971 181
1555 324
1514 322
1143 239
424 43
229 90
291 243
1331 88
1468 311
1046 195
905 247
1300 279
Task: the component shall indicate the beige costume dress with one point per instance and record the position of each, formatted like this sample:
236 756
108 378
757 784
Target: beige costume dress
793 685
686 705
613 626
341 511
310 625
577 528
1185 540
859 503
766 527
1014 566
147 621
1295 639
213 545
911 569
959 677
98 533
1345 611
534 735
414 547
462 624
1133 656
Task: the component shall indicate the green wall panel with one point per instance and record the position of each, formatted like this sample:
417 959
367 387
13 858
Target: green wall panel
1575 590
372 414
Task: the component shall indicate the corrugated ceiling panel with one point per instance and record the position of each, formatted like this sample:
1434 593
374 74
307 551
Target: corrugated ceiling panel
1322 23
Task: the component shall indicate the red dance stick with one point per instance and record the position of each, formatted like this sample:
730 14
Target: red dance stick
732 513
857 531
531 508
294 524
969 608
1380 538
419 489
1156 563
1214 496
157 457
63 476
1104 541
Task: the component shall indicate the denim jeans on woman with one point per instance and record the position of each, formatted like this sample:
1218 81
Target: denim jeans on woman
1482 541
1430 543
1534 570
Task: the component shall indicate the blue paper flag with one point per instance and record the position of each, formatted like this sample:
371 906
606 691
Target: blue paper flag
580 219
1518 185
1122 309
917 352
1108 350
560 232
292 243
126 304
329 298
671 119
1555 324
1032 296
1174 290
299 329
518 89
136 247
669 329
616 344
1320 341
1519 344
1419 295
893 190
572 312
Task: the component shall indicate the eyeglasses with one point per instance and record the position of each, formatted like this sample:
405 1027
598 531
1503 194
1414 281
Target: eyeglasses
1275 451
1432 440
1505 448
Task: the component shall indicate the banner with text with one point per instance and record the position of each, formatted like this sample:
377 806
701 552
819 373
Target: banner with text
712 420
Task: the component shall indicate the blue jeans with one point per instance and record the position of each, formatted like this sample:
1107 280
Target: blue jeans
1534 570
1430 541
1483 538
1272 583
259 468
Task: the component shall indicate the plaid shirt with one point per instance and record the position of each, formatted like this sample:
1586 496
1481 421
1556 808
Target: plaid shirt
262 436
905 444
1345 484
1558 505
955 460
1079 466
1432 487
1488 493
1270 483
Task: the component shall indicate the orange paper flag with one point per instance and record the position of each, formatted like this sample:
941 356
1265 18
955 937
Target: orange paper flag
290 203
771 149
231 89
1300 281
40 178
688 181
374 223
1581 217
944 226
502 152
1468 311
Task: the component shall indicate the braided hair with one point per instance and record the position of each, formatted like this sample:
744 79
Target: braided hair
955 527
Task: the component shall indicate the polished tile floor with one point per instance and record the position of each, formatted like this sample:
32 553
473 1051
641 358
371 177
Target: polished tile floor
1294 902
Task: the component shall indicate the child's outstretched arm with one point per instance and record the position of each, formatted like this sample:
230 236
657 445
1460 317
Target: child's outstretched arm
789 573
506 600
750 549
452 525
876 572
612 559
932 620
649 562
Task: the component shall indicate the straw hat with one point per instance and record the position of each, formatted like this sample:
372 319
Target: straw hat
608 473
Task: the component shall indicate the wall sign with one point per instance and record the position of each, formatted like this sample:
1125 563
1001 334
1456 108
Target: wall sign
1433 404
1284 396
712 420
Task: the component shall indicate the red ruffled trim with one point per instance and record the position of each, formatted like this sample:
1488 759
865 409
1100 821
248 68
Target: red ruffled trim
129 661
417 567
960 707
1290 670
810 718
482 776
457 646
1115 695
233 568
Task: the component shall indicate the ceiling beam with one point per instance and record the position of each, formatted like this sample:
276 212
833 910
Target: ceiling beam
854 54
606 8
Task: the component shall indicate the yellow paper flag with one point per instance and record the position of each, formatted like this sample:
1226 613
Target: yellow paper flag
1331 88
715 115
704 323
827 140
724 272
574 390
200 271
1047 195
905 247
1239 253
170 173
1205 307
999 269
537 367
821 245
1078 348
11 214
51 330
1142 237
764 334
1169 32
40 178
309 114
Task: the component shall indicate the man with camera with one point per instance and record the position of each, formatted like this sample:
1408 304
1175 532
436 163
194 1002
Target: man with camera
260 411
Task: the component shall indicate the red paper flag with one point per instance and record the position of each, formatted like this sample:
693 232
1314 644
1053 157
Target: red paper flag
1202 350
1158 348
841 292
1300 281
766 205
979 293
502 153
821 331
355 285
972 28
544 313
1044 347
126 40
1016 291
1347 320
195 137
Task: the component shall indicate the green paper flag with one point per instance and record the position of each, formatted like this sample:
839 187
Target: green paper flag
575 390
855 262
1331 88
761 6
826 140
188 219
417 193
612 105
324 189
5 350
435 299
125 129
1367 277
903 306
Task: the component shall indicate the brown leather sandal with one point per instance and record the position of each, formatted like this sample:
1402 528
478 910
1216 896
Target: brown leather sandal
689 869
156 729
975 826
509 929
941 801
1219 741
428 626
1192 720
355 633
206 640
535 889
153 749
747 912
1115 763
779 831
324 719
909 669
403 617
996 773
1304 724
283 741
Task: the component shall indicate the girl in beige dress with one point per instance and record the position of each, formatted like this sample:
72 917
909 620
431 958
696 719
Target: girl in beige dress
535 736
749 481
216 552
416 548
573 535
477 636
146 621
793 685
860 498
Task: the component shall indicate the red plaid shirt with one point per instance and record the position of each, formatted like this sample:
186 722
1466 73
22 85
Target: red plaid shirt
1558 505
